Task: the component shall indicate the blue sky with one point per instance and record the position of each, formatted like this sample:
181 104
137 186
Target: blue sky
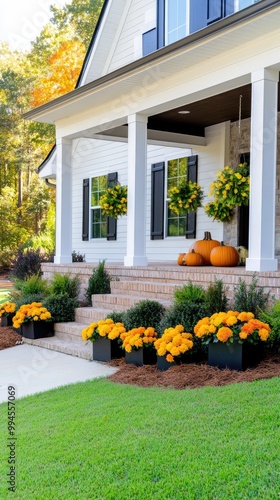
22 20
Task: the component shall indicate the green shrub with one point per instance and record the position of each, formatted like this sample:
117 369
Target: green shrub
99 282
251 298
183 314
272 317
65 284
62 307
216 298
146 313
21 299
116 316
189 293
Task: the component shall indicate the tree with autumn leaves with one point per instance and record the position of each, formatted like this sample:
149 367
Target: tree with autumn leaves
50 69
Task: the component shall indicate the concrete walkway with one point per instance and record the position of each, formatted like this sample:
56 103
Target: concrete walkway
31 369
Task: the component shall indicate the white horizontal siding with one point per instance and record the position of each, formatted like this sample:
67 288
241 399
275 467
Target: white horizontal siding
141 17
96 157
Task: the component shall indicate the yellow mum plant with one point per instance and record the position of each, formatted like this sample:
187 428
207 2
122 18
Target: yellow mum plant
113 201
104 328
232 326
138 337
7 309
230 190
187 197
31 312
174 343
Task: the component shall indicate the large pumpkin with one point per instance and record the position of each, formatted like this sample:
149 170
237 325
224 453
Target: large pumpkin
205 246
193 259
181 259
224 256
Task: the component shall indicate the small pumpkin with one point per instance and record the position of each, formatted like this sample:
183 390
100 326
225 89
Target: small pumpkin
181 259
224 256
193 259
204 247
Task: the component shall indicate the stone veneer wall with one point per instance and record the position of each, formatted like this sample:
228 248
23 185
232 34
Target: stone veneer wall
237 147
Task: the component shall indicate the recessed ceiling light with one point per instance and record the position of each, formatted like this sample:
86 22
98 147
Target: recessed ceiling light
183 112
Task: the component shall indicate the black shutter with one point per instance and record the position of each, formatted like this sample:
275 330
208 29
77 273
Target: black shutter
191 216
214 10
160 23
157 201
85 223
198 15
112 180
149 42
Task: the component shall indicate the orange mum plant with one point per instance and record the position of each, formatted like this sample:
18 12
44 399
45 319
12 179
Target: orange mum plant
173 343
138 337
104 328
31 312
232 326
7 309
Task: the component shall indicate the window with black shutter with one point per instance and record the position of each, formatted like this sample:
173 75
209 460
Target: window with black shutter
85 220
112 180
157 201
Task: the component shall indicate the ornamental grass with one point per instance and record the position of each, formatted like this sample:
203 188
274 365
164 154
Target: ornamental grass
138 337
104 328
31 312
7 309
232 326
174 343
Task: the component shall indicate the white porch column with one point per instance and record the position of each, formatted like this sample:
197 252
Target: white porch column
137 181
63 241
263 171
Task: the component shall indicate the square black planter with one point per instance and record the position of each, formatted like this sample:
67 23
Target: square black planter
234 356
163 364
37 329
141 356
104 349
6 321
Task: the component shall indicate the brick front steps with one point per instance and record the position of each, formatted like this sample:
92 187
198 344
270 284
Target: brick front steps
133 284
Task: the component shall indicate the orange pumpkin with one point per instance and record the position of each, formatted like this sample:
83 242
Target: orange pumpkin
224 256
193 259
181 259
205 246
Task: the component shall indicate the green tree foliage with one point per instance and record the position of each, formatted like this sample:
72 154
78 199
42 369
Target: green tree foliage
24 145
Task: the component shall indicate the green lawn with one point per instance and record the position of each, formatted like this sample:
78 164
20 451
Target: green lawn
4 294
100 440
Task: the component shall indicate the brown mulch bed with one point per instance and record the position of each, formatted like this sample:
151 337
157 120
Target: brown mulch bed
193 375
186 376
8 337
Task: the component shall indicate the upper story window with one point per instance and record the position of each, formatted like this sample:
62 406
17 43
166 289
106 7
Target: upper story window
176 20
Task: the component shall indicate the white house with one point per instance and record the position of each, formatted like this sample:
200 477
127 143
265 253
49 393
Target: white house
158 97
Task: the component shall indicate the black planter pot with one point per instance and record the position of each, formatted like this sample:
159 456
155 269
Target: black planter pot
163 364
141 356
104 349
37 329
6 321
234 356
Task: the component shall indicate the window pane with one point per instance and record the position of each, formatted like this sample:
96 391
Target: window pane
183 167
94 199
103 182
172 228
94 184
182 226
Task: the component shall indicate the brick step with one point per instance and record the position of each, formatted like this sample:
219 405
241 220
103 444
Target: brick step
118 302
87 315
79 349
70 331
145 289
